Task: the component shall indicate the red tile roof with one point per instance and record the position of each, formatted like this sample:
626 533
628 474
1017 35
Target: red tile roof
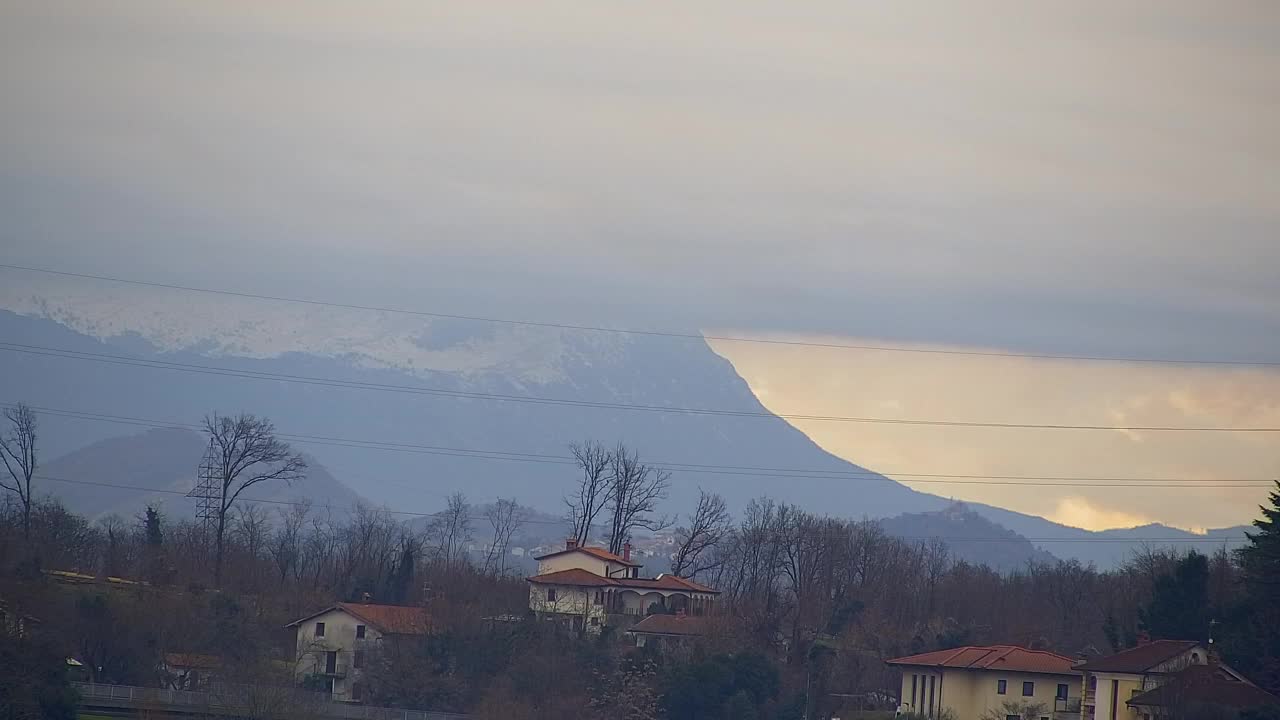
389 619
996 657
585 578
572 576
669 625
394 619
1208 685
1139 659
596 552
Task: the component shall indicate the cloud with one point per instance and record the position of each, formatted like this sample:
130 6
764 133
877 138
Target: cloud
818 381
924 173
1079 512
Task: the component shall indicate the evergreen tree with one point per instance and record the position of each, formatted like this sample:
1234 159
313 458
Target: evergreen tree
154 532
1261 557
1179 607
1253 643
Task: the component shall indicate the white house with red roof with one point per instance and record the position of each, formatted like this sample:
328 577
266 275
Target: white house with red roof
589 588
334 644
971 681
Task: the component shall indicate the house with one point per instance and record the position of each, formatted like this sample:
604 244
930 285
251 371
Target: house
1141 683
189 671
658 630
971 681
589 588
1213 685
334 644
1110 682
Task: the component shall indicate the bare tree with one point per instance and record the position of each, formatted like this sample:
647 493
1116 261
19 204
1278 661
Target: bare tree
633 495
114 531
285 544
450 531
247 453
593 488
505 517
708 526
18 450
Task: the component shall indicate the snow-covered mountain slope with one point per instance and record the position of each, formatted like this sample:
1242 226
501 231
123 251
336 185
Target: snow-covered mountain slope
428 440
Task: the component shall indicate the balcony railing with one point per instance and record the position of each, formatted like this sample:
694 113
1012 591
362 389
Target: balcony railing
1067 705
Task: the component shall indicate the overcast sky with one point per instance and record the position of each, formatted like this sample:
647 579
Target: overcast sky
1083 177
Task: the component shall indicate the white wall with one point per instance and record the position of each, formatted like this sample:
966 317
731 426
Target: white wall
340 636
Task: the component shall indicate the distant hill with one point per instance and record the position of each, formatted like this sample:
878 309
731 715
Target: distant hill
157 464
429 440
969 537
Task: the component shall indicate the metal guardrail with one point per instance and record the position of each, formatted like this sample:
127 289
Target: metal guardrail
131 696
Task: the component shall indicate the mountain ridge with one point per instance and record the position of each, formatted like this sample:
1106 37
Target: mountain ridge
661 372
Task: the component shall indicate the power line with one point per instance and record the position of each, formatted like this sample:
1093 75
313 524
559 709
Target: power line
297 503
647 333
537 400
731 470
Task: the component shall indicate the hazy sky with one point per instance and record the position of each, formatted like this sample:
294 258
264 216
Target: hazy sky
1086 177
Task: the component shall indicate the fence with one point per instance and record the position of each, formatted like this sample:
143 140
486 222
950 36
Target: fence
129 696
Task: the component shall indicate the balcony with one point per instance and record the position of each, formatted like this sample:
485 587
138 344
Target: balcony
1067 708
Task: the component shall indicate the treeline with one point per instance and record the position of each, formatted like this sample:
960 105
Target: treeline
811 606
822 602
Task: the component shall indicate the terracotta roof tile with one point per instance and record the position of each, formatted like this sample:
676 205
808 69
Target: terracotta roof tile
393 619
390 619
572 576
995 657
1206 684
600 553
586 578
1141 658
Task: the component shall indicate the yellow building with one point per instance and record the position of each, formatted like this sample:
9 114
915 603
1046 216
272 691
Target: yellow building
1111 682
976 682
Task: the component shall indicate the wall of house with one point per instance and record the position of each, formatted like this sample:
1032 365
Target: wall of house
580 560
971 693
339 636
1128 684
571 601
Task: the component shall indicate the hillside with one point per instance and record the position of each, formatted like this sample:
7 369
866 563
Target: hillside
421 403
157 464
969 537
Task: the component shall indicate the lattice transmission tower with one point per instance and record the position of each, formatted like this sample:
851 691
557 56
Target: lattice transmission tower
208 491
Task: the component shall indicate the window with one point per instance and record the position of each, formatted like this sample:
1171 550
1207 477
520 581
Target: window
331 662
551 594
357 691
359 632
1012 717
319 629
1062 691
595 621
599 597
1002 687
914 678
357 659
933 682
1028 689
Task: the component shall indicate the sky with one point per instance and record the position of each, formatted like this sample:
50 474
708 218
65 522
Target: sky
1065 177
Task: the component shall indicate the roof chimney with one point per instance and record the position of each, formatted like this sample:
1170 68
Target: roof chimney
1144 637
626 551
365 598
571 543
